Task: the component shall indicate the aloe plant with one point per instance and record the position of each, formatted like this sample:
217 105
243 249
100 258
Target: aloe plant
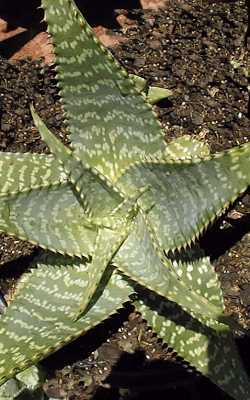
111 212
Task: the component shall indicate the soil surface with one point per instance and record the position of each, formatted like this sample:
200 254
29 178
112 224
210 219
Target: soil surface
200 52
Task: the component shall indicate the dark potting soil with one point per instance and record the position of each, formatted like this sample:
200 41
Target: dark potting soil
199 51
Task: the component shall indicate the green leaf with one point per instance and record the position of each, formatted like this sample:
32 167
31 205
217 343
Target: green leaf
200 277
212 353
118 196
97 195
108 243
23 172
38 321
186 148
153 93
140 259
26 385
140 83
185 197
110 124
50 217
156 94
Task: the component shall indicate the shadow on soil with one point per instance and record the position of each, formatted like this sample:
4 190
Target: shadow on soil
217 241
134 377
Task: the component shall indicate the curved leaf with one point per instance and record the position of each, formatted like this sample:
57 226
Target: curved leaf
108 242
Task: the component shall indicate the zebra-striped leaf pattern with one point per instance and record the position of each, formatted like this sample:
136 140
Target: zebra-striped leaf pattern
110 123
112 210
98 196
109 240
205 188
199 276
186 148
108 243
50 217
23 172
39 320
140 258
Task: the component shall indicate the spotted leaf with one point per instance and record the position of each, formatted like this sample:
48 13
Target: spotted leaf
23 172
185 197
110 123
141 260
50 217
200 277
186 148
38 321
120 200
108 243
97 195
